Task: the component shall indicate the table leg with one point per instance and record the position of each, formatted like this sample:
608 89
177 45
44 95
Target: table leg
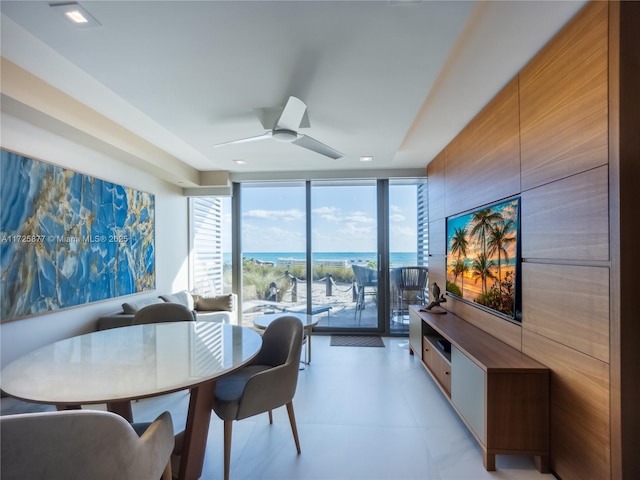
62 408
309 345
194 440
122 408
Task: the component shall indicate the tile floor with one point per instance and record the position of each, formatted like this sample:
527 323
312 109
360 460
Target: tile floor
363 413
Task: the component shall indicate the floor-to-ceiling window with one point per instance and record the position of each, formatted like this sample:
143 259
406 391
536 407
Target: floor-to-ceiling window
335 249
273 226
408 250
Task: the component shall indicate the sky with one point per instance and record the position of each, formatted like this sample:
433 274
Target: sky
508 209
343 218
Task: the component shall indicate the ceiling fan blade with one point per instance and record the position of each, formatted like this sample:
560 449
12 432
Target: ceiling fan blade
314 145
245 140
291 115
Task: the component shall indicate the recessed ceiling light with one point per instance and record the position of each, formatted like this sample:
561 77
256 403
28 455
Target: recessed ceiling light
366 158
73 12
240 162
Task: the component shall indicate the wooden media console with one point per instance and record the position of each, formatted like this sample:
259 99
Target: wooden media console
501 394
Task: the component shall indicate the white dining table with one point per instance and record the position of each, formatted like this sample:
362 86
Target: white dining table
116 366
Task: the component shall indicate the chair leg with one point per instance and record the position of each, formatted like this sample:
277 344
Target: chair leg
294 428
227 447
270 417
166 475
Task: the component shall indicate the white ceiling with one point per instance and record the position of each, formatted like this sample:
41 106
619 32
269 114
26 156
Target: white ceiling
393 79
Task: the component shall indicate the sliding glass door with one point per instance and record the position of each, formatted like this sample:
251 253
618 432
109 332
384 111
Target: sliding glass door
344 253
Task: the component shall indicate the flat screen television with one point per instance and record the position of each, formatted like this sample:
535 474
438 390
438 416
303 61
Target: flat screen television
483 258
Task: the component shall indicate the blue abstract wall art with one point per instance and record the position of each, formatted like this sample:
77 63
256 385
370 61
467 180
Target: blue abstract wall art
68 239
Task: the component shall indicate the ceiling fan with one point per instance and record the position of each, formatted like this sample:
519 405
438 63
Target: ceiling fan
285 129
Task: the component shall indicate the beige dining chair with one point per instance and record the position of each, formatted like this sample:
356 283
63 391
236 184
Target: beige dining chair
163 312
84 444
268 382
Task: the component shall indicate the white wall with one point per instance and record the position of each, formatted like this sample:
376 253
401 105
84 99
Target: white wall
21 336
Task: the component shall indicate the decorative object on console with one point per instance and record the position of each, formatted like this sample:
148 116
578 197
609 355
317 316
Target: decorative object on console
437 300
69 239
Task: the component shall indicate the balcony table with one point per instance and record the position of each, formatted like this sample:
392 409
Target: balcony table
308 322
122 364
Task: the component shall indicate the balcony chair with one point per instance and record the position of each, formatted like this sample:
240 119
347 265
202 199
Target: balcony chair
84 444
410 279
365 277
268 382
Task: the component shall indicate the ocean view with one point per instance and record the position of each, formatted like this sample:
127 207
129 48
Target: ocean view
396 258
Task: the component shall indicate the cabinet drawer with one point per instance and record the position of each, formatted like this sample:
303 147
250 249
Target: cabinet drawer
437 365
442 370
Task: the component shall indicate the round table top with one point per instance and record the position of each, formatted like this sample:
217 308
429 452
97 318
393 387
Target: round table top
131 362
263 321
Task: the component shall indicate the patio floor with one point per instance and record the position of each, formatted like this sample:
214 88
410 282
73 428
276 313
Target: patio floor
341 316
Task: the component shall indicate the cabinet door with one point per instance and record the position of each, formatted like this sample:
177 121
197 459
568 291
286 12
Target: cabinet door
415 332
468 392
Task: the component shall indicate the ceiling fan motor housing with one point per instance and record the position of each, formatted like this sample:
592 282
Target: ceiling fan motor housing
284 135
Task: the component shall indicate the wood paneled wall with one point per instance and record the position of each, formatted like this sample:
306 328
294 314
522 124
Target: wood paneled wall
435 182
437 232
568 219
565 228
580 441
563 102
580 320
547 136
624 178
482 163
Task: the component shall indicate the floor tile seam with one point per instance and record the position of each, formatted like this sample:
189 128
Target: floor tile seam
423 438
406 392
248 436
439 465
354 425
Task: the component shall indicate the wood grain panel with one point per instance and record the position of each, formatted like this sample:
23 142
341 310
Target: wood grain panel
509 333
437 271
435 181
482 164
580 442
625 231
563 101
518 416
568 304
438 366
567 219
437 237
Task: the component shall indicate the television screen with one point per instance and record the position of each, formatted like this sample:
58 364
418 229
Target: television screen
483 258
